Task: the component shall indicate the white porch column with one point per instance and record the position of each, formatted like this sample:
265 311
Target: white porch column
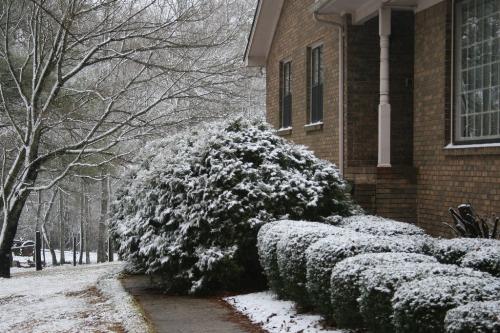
384 108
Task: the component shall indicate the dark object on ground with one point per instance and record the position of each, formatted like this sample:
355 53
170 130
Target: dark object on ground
467 223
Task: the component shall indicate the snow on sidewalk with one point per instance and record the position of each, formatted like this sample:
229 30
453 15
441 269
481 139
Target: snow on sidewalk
68 299
277 316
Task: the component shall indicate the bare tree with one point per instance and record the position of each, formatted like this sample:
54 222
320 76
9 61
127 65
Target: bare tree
82 221
101 232
87 228
43 229
85 76
62 215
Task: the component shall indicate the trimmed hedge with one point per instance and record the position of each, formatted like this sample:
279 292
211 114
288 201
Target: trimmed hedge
323 255
345 280
421 306
291 259
452 251
474 317
379 226
383 283
267 239
486 259
377 287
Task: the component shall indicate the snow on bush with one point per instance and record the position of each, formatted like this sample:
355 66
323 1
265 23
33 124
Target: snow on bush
323 255
451 251
292 261
421 306
376 225
478 253
267 239
486 259
377 287
477 317
191 210
346 277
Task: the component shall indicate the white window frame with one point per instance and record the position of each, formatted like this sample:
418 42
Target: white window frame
457 138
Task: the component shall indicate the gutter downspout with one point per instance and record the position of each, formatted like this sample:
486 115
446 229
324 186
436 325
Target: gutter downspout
340 27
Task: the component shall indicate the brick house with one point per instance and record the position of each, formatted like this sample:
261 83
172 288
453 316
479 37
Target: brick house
402 95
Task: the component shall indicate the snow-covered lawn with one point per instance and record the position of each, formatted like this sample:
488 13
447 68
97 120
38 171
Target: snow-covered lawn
277 316
86 298
68 257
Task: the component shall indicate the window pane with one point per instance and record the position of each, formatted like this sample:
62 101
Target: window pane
477 69
316 90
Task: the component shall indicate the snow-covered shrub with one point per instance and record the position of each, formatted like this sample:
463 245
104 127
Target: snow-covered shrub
421 305
451 251
346 277
376 225
377 287
474 317
486 259
478 253
323 255
191 210
292 260
267 239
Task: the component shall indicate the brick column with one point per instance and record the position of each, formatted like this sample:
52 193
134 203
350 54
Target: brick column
384 108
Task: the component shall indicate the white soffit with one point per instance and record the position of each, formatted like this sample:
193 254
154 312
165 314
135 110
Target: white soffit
267 15
363 10
266 19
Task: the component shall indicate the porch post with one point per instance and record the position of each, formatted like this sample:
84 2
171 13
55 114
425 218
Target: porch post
384 108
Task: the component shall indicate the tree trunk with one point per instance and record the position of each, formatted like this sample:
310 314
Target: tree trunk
82 227
37 223
101 236
16 187
9 229
87 226
62 260
44 230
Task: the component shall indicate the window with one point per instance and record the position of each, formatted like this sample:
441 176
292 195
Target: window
316 84
477 71
286 94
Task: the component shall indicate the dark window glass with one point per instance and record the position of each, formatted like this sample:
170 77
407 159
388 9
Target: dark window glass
316 84
286 95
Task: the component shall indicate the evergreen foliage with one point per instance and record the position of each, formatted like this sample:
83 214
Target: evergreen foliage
191 210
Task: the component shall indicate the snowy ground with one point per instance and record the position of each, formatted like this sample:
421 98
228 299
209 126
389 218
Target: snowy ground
85 298
277 316
68 257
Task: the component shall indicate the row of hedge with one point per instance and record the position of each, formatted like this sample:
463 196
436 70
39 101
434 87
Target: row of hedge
392 279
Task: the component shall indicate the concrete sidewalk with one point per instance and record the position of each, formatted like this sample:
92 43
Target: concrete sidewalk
177 314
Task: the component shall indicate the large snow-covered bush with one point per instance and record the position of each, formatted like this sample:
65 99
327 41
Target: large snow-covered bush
377 287
191 210
380 226
323 255
420 306
292 260
346 277
474 317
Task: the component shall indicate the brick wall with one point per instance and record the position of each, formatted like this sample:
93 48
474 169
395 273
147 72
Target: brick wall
446 178
295 32
387 192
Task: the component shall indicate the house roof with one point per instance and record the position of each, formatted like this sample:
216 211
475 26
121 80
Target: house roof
267 14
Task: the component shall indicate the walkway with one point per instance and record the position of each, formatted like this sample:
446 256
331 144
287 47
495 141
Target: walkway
177 314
